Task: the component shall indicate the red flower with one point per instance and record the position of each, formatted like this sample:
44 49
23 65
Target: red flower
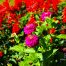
31 20
64 11
15 28
64 15
2 11
6 4
51 40
1 54
54 4
46 5
13 15
64 19
52 31
41 3
31 5
18 4
62 31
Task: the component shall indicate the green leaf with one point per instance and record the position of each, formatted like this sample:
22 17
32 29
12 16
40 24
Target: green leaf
37 17
13 60
17 48
9 64
37 64
23 63
39 30
17 39
29 50
61 36
39 55
24 19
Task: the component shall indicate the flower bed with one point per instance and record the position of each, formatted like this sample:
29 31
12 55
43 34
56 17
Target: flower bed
32 32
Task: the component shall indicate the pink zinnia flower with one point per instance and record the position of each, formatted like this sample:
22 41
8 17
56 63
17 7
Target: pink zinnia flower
31 40
45 15
29 28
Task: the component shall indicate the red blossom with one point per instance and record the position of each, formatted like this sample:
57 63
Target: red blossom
51 40
52 30
18 4
6 4
31 20
64 15
63 31
1 54
54 4
15 28
46 5
31 5
41 3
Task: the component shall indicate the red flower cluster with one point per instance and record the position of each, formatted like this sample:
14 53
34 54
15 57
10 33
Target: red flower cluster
54 4
33 5
64 15
2 13
18 4
9 12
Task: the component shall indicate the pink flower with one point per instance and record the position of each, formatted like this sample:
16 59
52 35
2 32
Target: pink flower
45 15
32 40
29 28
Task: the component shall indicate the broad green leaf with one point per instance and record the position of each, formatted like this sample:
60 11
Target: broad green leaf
17 48
61 36
29 50
39 55
9 64
23 63
37 64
